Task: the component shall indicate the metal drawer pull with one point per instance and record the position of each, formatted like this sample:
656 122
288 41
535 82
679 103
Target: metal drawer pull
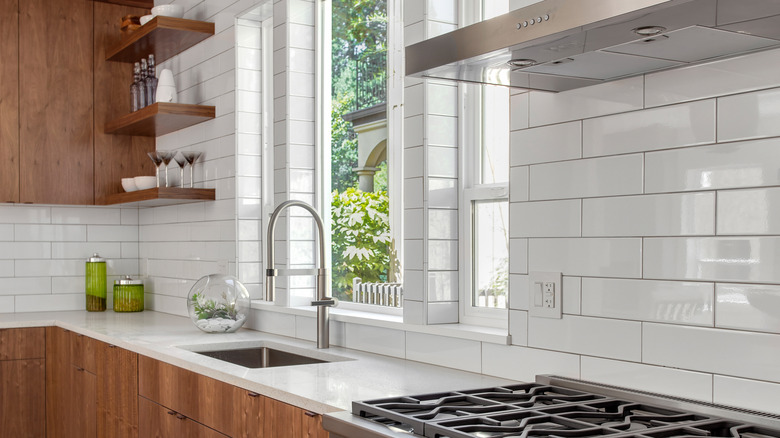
252 394
180 416
310 414
171 413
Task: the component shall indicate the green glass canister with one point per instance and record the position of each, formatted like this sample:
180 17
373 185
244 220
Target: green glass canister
96 283
128 295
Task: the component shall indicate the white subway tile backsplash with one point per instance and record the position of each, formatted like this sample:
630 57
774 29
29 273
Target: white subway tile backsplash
49 233
442 224
413 223
547 143
748 307
750 115
610 338
712 350
518 256
27 286
413 193
524 364
442 286
730 165
518 184
545 219
48 303
7 304
571 290
442 255
518 327
746 394
609 176
85 215
442 162
449 352
379 340
650 215
679 383
442 313
25 214
442 130
6 232
442 99
519 113
738 259
587 257
25 250
518 291
6 268
84 250
413 254
646 300
660 128
442 193
751 212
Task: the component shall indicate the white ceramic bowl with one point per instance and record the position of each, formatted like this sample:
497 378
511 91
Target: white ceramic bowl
169 10
145 19
145 182
129 184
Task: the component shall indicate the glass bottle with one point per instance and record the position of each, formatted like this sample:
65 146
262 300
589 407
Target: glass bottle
135 89
128 295
142 84
151 82
96 283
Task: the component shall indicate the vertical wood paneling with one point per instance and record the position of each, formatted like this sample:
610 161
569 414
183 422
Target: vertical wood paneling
9 101
56 118
22 412
117 392
22 343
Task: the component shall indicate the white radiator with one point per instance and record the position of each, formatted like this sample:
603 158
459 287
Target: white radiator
379 294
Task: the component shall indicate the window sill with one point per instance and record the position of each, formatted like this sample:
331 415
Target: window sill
461 331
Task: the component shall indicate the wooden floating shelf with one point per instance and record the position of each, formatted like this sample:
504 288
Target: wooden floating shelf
162 36
147 4
161 196
160 118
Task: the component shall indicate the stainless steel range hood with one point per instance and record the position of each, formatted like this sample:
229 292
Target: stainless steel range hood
557 45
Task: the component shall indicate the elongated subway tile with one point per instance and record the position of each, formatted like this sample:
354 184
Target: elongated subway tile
749 211
748 307
47 303
443 255
659 128
25 250
679 383
547 143
61 233
442 99
442 286
524 364
518 256
40 268
518 292
413 223
449 352
734 75
608 176
442 193
601 337
377 340
518 111
712 350
545 218
739 259
84 250
442 162
746 394
650 215
85 215
518 327
277 323
413 162
6 232
414 312
518 184
595 257
25 214
730 165
610 98
442 224
442 130
413 193
413 131
27 286
7 304
442 313
572 295
750 115
674 302
6 268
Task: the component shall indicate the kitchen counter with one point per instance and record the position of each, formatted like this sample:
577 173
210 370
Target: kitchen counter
323 387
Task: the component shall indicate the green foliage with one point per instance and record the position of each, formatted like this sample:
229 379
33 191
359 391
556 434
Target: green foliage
361 237
343 147
380 178
207 308
357 26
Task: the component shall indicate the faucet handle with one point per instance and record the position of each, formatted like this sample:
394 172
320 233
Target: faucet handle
327 302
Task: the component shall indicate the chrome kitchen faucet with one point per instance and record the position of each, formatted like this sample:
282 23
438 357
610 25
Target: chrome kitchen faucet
322 302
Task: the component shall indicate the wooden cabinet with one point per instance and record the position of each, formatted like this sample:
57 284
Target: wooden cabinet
9 101
22 399
55 102
117 392
157 421
82 402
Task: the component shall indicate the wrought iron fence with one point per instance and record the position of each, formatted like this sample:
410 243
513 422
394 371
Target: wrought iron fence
370 79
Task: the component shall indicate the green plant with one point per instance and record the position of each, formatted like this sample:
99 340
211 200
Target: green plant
207 308
361 238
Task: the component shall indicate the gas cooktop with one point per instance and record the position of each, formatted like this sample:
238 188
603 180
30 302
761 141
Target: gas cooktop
546 410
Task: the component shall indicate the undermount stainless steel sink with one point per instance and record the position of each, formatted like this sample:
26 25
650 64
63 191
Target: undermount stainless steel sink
261 357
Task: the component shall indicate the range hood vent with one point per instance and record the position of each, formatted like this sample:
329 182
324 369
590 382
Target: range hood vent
558 45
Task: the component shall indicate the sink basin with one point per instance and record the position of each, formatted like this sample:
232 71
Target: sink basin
261 357
263 354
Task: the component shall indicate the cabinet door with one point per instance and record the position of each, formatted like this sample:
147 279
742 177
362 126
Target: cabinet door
9 101
249 413
82 352
58 381
55 102
157 421
22 343
312 426
282 419
82 421
22 399
117 392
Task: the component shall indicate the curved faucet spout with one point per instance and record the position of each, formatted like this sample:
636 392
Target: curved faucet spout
322 301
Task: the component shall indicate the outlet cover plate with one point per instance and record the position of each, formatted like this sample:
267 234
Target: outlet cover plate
538 303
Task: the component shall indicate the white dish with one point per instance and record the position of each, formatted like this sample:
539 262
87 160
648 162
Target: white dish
145 19
129 184
145 182
176 11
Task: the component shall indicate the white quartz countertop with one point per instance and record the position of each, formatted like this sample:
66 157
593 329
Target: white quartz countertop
322 387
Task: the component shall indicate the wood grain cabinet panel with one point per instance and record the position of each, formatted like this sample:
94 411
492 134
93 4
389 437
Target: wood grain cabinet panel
22 383
58 381
248 413
117 392
82 352
55 102
9 101
312 426
22 343
160 422
82 402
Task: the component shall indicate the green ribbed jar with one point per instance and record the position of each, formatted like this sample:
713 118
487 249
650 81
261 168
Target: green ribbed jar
96 284
128 295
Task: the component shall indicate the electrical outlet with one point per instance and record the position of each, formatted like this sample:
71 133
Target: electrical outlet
545 297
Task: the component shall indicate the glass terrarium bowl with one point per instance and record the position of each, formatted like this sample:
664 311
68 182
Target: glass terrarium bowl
218 303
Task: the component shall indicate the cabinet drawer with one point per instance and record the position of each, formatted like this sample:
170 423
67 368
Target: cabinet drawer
82 352
22 404
203 399
22 343
160 422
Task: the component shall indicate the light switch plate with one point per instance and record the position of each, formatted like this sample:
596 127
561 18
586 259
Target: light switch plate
545 297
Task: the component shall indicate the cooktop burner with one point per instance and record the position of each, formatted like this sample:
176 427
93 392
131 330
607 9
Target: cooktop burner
535 410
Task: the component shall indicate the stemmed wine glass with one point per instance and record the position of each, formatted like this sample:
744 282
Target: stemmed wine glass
166 157
181 161
191 158
157 161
